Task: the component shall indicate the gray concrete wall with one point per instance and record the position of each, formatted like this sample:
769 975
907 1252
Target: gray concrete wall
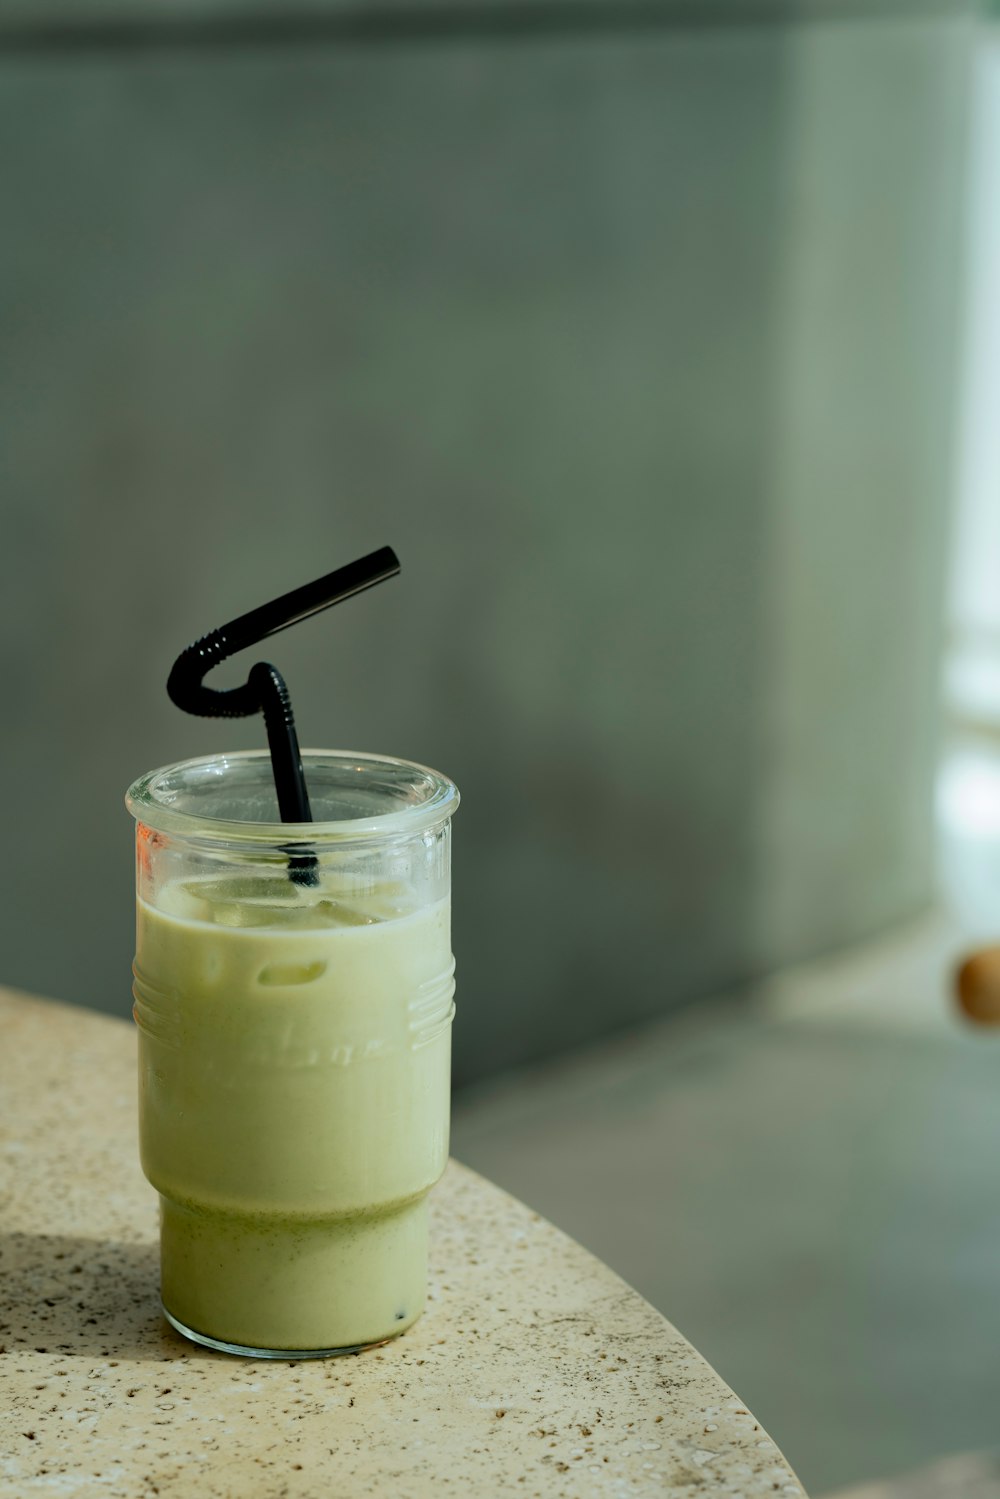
636 345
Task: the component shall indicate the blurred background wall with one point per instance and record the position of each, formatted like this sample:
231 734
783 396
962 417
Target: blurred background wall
631 328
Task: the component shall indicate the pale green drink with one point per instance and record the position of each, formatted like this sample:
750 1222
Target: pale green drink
294 1078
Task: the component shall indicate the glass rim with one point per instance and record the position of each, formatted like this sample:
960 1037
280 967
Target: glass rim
147 801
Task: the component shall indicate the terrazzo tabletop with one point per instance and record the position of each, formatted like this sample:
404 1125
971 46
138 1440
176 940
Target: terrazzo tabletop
535 1370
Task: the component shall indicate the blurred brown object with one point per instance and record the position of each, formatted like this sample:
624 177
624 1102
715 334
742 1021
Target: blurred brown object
978 986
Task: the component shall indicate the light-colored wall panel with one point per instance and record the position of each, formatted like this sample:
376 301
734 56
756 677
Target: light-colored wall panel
550 317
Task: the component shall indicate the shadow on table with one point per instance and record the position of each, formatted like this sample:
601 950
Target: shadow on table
83 1298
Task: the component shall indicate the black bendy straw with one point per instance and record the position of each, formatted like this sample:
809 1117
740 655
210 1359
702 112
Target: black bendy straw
265 691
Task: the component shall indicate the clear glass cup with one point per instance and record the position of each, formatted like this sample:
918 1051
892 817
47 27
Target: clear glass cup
294 996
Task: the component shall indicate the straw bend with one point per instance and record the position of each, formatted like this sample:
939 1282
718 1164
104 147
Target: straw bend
265 691
185 684
186 688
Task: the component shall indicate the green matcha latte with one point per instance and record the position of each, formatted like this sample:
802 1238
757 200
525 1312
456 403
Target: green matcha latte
294 1047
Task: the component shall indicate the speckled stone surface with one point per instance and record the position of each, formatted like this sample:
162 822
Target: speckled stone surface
535 1370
